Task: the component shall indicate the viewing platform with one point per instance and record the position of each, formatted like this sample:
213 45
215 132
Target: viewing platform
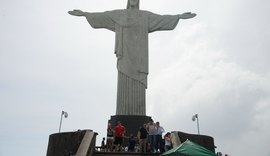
83 143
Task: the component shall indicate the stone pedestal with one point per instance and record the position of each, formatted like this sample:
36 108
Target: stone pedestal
203 140
72 143
131 122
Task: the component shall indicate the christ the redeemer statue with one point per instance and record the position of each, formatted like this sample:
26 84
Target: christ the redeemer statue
131 27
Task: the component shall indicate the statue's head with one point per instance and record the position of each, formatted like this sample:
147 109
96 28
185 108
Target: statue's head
133 4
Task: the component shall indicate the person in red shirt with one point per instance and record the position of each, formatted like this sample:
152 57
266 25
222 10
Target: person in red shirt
119 132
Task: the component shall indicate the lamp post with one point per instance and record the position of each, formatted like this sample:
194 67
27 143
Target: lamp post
65 114
194 117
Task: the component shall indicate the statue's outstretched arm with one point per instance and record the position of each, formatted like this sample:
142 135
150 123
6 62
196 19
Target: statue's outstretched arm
187 15
77 13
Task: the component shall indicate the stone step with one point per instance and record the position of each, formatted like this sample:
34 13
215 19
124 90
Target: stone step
98 153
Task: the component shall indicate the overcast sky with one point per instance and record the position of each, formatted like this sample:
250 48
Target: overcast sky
215 65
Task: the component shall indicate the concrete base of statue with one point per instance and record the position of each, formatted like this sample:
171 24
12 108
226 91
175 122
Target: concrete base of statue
132 123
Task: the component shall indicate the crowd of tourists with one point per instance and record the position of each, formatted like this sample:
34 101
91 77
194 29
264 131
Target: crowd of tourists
148 139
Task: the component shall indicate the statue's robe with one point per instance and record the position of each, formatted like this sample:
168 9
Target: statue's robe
131 29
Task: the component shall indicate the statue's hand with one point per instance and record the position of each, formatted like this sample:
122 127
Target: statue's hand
187 15
76 13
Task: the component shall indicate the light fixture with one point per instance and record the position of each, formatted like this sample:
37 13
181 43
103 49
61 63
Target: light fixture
65 114
194 117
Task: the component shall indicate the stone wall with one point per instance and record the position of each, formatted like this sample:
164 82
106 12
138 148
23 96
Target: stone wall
203 140
68 143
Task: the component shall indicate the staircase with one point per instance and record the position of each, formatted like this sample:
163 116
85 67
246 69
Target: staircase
98 153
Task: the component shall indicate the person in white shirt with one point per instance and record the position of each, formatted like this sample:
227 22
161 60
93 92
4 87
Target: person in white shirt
152 132
159 144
